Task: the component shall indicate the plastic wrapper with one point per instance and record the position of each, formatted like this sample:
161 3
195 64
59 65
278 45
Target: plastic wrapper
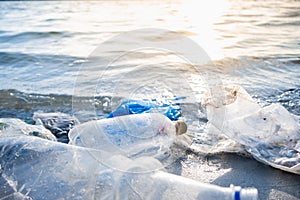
270 134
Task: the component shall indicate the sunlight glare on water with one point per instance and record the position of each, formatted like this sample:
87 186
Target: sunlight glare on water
202 15
191 18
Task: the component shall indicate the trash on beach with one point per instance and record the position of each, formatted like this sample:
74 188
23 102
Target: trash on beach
126 155
236 124
137 135
13 126
33 168
168 107
58 123
270 134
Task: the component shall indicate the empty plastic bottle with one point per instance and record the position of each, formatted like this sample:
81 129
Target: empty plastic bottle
131 135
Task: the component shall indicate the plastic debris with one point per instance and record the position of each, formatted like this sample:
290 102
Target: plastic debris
13 126
32 168
270 134
169 108
58 123
149 134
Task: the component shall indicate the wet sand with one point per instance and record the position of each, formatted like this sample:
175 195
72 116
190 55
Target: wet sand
226 169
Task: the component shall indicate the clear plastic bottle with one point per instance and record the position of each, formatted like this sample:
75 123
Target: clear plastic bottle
130 135
137 181
184 188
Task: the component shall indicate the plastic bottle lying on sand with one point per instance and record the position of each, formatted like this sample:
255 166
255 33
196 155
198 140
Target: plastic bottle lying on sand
162 185
130 135
191 189
135 179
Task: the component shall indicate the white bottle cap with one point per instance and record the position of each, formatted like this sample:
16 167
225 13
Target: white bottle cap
249 194
244 194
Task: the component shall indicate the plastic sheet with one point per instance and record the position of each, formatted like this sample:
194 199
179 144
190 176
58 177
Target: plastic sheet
270 134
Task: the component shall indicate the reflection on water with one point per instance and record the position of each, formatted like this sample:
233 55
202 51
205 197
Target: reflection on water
253 43
223 28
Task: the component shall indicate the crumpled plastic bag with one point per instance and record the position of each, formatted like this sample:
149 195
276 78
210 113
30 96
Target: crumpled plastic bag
58 123
13 126
270 134
168 107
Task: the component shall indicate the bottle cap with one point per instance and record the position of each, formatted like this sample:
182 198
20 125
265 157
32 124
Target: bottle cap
249 194
245 193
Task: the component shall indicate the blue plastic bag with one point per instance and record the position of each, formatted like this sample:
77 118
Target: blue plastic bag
171 109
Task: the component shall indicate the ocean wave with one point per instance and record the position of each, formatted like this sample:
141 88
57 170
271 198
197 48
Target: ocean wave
25 36
280 23
16 104
25 59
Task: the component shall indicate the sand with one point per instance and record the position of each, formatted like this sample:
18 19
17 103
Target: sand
226 169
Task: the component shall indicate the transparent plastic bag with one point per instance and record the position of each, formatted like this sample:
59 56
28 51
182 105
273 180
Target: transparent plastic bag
13 126
58 123
270 134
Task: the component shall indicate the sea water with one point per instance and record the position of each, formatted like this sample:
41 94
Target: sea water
43 46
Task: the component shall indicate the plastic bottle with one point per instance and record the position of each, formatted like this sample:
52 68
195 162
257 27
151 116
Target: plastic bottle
130 135
139 182
191 189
